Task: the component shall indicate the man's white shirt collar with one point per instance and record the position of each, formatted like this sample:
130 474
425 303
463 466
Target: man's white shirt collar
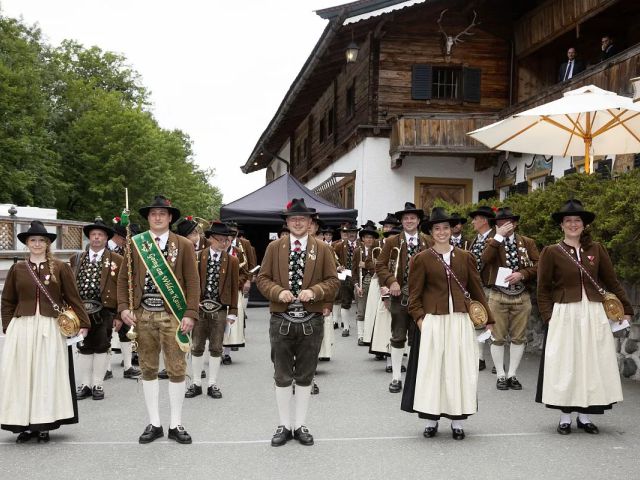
302 240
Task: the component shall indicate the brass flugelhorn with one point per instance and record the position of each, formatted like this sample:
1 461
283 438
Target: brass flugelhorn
396 261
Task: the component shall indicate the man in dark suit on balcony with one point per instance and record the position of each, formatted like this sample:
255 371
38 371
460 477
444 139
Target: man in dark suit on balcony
608 48
571 67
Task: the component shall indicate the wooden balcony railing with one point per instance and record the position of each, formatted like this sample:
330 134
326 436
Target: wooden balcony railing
434 133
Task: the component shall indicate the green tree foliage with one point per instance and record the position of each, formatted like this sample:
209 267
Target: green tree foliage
616 204
75 130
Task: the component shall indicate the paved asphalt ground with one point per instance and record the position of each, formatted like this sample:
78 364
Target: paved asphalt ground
359 429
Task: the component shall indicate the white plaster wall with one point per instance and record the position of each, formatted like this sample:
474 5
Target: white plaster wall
380 189
278 166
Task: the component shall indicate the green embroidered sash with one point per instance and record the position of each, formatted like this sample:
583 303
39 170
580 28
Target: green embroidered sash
165 281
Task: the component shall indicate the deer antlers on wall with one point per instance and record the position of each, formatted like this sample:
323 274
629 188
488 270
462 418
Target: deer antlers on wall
449 40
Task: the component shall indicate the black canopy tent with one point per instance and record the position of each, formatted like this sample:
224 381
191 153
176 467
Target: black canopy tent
263 206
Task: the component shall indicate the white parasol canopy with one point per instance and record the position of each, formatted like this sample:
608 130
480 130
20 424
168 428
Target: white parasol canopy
586 121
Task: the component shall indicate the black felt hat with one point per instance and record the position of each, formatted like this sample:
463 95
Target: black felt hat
349 227
484 211
505 213
160 201
296 207
409 208
390 220
438 215
218 228
36 229
369 228
573 207
185 226
98 224
460 220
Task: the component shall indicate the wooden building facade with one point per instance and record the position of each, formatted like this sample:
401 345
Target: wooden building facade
392 126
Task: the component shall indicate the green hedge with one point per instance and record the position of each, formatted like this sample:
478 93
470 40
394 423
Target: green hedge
616 204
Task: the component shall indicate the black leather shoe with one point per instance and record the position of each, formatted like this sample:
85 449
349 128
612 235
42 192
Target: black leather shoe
193 391
83 392
108 374
481 365
403 369
315 390
493 370
457 433
388 369
25 436
502 384
214 392
360 342
324 359
335 326
134 359
43 437
514 384
281 436
303 436
203 374
97 392
179 434
162 374
588 427
132 372
345 333
430 431
150 434
395 386
564 428
226 360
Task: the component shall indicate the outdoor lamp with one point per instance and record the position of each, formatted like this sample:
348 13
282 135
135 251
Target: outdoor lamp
351 53
635 82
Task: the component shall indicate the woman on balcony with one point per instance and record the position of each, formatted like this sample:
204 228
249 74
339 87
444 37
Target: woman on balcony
36 370
578 369
442 375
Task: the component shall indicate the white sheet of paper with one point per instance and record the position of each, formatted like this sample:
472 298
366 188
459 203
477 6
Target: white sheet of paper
502 274
484 336
76 339
616 327
344 274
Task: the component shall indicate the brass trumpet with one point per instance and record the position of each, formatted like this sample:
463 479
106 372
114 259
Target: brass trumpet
375 253
396 261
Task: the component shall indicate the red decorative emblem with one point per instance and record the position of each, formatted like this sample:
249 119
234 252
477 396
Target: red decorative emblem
494 208
289 205
116 219
189 217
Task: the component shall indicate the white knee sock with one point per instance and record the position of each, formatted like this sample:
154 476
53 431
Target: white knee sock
336 314
497 354
196 369
99 367
481 351
407 351
360 328
303 395
515 355
344 313
396 362
107 365
214 368
85 364
456 423
226 351
566 418
388 361
583 417
126 349
283 399
176 397
431 423
151 389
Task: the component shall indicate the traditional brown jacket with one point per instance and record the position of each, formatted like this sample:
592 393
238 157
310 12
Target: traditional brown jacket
560 280
111 263
341 248
246 257
184 267
20 294
494 256
228 281
369 265
429 288
385 275
320 275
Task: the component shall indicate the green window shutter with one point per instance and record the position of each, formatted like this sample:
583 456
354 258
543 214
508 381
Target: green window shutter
421 82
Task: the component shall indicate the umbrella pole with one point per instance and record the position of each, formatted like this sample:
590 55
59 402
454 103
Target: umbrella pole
587 160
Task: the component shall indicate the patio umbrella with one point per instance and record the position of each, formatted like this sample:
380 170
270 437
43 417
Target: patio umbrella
586 121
